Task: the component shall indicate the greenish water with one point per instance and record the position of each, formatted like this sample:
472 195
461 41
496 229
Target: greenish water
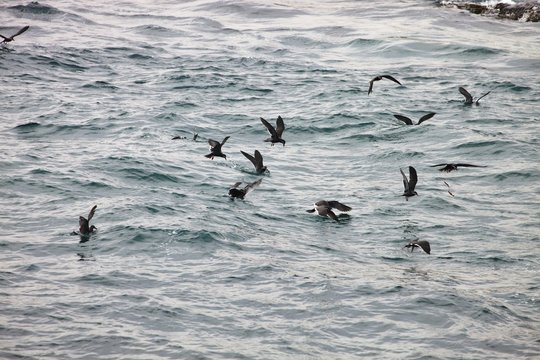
93 93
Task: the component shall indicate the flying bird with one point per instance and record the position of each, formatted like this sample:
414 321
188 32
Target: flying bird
452 167
234 192
380 77
215 148
11 38
84 228
408 121
324 208
468 97
256 160
275 134
423 244
409 184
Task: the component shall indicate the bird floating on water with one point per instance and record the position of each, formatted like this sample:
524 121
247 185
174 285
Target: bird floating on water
380 77
452 167
423 244
468 97
408 121
410 183
256 160
275 134
11 38
234 192
215 148
84 224
324 208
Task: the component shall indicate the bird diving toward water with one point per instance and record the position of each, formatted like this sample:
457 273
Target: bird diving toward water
408 121
11 38
452 167
324 208
84 228
275 134
468 97
215 148
423 244
234 192
380 77
256 160
410 183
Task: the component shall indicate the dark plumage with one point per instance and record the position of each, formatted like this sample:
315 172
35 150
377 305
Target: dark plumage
423 244
84 228
452 167
324 208
234 192
256 160
215 148
380 77
468 97
11 38
408 121
275 134
409 184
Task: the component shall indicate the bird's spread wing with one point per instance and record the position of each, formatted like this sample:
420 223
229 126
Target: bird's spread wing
370 90
339 206
91 213
405 180
332 215
251 158
280 126
249 188
405 119
424 245
477 100
258 160
468 97
225 140
82 221
391 78
470 165
3 37
270 128
413 178
21 31
236 184
426 117
214 144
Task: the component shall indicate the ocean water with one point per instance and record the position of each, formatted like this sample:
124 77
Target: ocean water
94 92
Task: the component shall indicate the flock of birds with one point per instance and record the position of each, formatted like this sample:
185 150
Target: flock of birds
322 207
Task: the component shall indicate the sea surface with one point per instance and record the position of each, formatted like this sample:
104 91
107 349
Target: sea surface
92 95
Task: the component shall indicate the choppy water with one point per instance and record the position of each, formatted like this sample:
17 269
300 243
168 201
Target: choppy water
92 95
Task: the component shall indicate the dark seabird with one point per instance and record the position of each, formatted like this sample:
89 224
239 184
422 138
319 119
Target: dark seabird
234 192
195 136
409 184
468 97
423 244
84 228
377 78
256 160
452 167
408 121
324 208
11 38
275 134
215 148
